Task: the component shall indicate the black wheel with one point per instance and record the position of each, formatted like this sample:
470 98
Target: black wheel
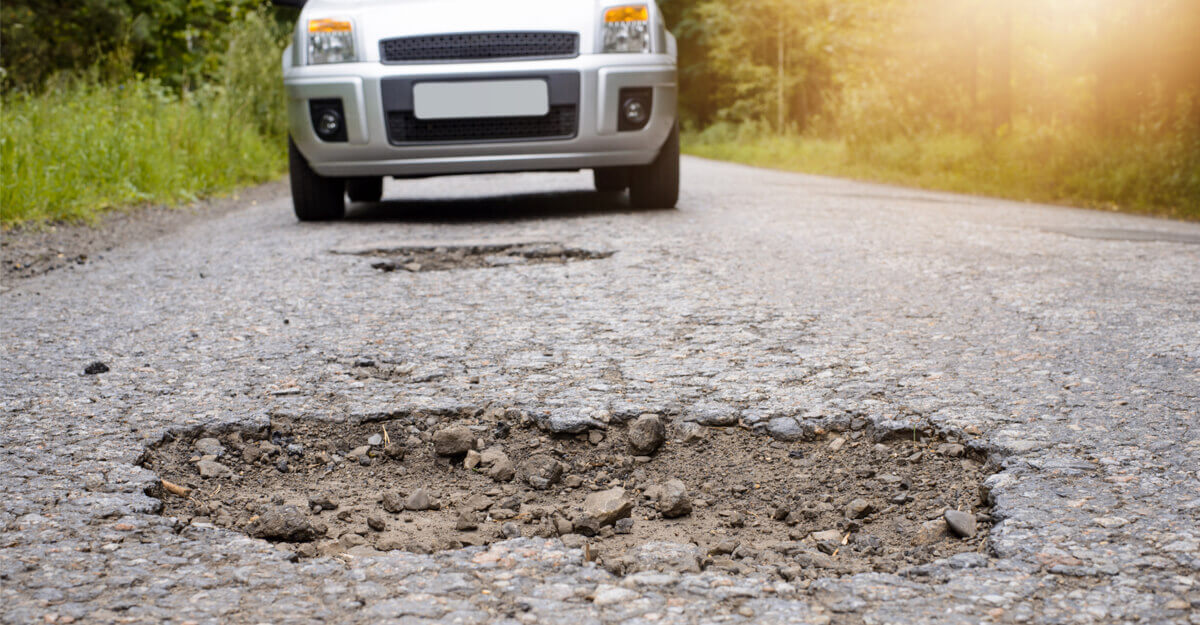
365 189
610 179
657 185
314 197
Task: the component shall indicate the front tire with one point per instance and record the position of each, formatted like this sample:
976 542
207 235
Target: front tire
314 197
365 189
657 185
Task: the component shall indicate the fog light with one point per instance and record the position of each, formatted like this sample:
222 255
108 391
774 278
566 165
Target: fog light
635 108
636 113
329 124
328 120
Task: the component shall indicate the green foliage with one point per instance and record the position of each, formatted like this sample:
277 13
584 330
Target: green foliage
84 145
178 42
1146 173
1088 101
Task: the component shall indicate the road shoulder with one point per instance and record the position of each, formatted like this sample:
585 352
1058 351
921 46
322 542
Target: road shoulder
28 251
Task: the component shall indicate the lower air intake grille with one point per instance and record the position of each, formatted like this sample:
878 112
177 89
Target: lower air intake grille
559 123
476 46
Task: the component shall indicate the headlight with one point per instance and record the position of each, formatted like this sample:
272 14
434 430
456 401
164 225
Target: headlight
627 29
330 41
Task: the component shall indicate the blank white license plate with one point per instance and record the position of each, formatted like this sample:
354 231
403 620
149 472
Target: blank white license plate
483 98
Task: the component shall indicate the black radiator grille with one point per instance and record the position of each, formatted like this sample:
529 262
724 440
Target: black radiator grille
476 46
559 123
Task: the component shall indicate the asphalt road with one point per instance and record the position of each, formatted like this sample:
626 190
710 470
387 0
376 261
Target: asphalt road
1063 343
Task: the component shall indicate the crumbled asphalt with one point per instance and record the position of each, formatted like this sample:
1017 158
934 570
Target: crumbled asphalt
778 302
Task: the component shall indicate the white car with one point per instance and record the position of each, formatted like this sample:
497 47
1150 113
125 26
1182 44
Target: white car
414 88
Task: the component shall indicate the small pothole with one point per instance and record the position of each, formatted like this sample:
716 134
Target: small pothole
841 503
421 258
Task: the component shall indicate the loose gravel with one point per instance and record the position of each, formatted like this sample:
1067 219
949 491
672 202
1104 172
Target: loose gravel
837 504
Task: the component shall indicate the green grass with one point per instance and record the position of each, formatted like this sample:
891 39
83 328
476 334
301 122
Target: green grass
1150 175
84 148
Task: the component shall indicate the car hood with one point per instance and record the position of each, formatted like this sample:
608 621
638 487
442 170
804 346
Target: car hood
382 19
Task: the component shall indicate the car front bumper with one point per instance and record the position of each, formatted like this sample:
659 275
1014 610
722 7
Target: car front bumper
368 151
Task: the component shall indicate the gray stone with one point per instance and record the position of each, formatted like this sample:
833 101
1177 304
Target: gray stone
954 450
502 470
646 434
393 502
282 523
672 499
323 501
212 468
961 523
541 471
859 508
394 450
453 441
785 429
606 506
468 520
376 522
210 447
689 432
419 500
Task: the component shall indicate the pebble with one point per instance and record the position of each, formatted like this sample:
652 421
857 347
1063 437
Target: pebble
541 471
603 508
830 535
837 444
395 451
393 502
358 453
418 500
723 548
375 440
468 520
689 432
95 368
376 522
510 530
282 523
454 440
961 523
210 447
646 434
953 450
858 509
322 501
472 460
672 499
212 468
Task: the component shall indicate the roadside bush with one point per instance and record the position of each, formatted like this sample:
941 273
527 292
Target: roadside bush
1152 173
83 145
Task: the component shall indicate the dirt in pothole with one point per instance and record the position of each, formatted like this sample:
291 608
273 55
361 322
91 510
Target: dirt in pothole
841 503
476 256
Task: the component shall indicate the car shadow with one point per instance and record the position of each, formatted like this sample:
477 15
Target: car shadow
507 207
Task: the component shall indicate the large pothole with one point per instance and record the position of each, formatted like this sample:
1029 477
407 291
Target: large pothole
464 255
841 503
